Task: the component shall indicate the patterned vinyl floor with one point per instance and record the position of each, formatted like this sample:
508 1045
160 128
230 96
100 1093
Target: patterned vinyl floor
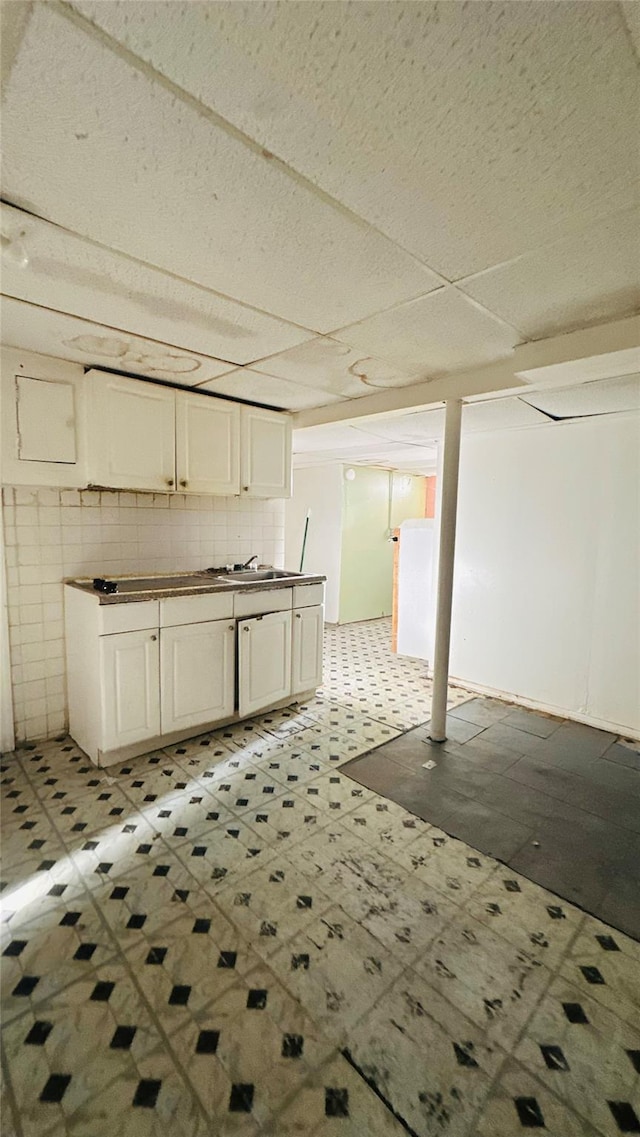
230 937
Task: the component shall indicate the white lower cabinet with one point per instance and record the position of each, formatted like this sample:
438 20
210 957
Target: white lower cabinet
306 648
143 674
197 668
130 670
264 661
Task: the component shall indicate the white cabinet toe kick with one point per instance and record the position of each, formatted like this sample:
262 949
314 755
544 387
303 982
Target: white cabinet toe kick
149 673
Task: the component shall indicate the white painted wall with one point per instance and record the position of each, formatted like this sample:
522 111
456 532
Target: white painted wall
546 597
318 488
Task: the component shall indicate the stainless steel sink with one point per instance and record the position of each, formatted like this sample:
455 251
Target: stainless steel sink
253 575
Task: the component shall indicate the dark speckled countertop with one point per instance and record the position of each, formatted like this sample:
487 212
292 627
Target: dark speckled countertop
151 585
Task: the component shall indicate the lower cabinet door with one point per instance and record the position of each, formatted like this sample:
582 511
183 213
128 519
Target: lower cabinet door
198 673
306 670
264 661
130 666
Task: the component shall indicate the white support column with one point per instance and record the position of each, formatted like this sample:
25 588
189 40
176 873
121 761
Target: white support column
448 511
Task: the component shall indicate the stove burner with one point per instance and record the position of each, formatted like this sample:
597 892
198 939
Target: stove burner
101 585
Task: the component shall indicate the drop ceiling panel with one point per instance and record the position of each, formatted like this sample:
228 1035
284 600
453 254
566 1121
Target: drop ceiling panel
499 414
610 365
434 335
385 106
330 436
326 365
419 428
245 383
81 341
606 396
585 279
107 151
73 275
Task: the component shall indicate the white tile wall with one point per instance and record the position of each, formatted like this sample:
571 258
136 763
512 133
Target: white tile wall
52 535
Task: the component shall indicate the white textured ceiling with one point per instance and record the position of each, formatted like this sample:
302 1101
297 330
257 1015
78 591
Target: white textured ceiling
67 337
315 200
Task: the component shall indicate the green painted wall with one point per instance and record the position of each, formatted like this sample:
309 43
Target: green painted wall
374 502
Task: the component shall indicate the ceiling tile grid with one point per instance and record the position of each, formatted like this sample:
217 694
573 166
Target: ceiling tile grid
254 387
435 334
110 153
275 196
82 341
587 278
66 272
469 133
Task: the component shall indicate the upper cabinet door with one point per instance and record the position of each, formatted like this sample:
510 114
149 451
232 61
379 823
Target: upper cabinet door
131 433
42 442
266 453
207 444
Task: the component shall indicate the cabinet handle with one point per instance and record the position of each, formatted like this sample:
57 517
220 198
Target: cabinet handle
154 637
184 482
169 481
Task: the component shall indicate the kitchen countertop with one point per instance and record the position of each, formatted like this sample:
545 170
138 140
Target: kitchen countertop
203 583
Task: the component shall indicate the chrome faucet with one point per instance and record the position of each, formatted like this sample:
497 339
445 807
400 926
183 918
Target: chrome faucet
247 564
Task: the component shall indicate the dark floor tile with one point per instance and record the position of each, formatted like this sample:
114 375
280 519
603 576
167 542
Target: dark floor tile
591 734
458 730
488 831
378 772
582 881
574 737
410 751
622 756
620 906
455 772
494 759
510 738
614 777
552 780
525 804
431 803
608 803
482 712
532 722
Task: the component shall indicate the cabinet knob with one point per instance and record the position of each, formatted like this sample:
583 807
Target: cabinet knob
169 481
232 627
298 616
245 489
154 637
245 629
184 482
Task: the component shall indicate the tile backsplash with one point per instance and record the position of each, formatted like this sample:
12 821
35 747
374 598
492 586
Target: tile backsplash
51 535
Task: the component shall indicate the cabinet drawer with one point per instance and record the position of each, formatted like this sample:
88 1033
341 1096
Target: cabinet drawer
133 617
307 595
267 600
195 609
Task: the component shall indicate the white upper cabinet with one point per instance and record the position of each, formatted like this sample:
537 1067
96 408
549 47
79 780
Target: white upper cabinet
42 443
62 427
207 445
131 433
266 453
